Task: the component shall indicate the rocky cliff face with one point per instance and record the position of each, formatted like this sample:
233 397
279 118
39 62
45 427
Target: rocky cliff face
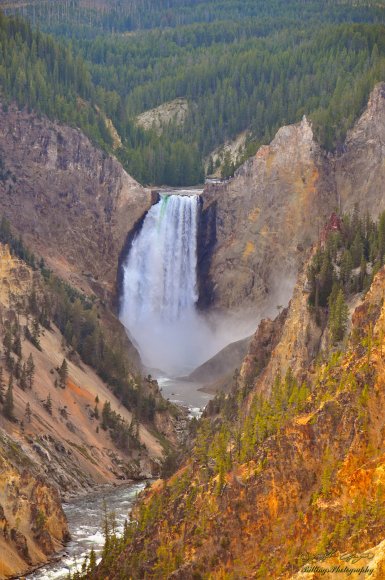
69 444
76 206
255 226
291 341
264 217
32 522
73 204
360 170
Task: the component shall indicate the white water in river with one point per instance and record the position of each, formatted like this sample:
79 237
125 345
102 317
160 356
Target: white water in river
160 288
85 516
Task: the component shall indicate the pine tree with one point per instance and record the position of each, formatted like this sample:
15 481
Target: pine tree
63 374
134 427
33 307
16 347
28 412
106 415
357 250
17 369
96 409
228 166
8 409
202 442
23 382
2 386
326 278
106 528
35 336
338 315
346 267
30 371
48 404
7 343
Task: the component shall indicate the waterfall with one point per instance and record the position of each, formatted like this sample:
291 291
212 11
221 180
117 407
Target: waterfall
160 291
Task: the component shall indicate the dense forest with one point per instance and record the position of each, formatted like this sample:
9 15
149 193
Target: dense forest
81 18
241 66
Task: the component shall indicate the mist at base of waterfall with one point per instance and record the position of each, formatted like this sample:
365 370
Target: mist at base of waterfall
160 292
176 349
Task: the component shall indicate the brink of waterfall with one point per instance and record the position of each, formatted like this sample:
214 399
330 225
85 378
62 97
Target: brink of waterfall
160 287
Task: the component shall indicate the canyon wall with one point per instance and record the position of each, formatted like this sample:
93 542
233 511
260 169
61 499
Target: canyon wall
360 170
317 480
255 226
73 203
32 522
55 441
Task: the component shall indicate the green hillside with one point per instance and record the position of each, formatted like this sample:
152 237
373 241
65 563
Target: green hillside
241 66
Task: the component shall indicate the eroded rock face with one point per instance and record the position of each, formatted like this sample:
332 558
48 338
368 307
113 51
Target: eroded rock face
66 449
262 217
32 520
255 226
317 481
360 170
295 343
73 203
264 341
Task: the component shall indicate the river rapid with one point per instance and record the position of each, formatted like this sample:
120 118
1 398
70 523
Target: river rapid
84 516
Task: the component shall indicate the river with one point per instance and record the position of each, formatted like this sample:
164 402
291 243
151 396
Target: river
85 513
84 516
185 393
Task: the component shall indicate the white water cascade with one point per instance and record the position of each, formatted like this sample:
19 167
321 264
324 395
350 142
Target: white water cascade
160 288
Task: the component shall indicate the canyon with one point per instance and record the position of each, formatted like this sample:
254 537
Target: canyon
78 209
273 208
206 362
317 478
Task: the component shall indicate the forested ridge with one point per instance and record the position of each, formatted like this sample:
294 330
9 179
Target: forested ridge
79 18
251 66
